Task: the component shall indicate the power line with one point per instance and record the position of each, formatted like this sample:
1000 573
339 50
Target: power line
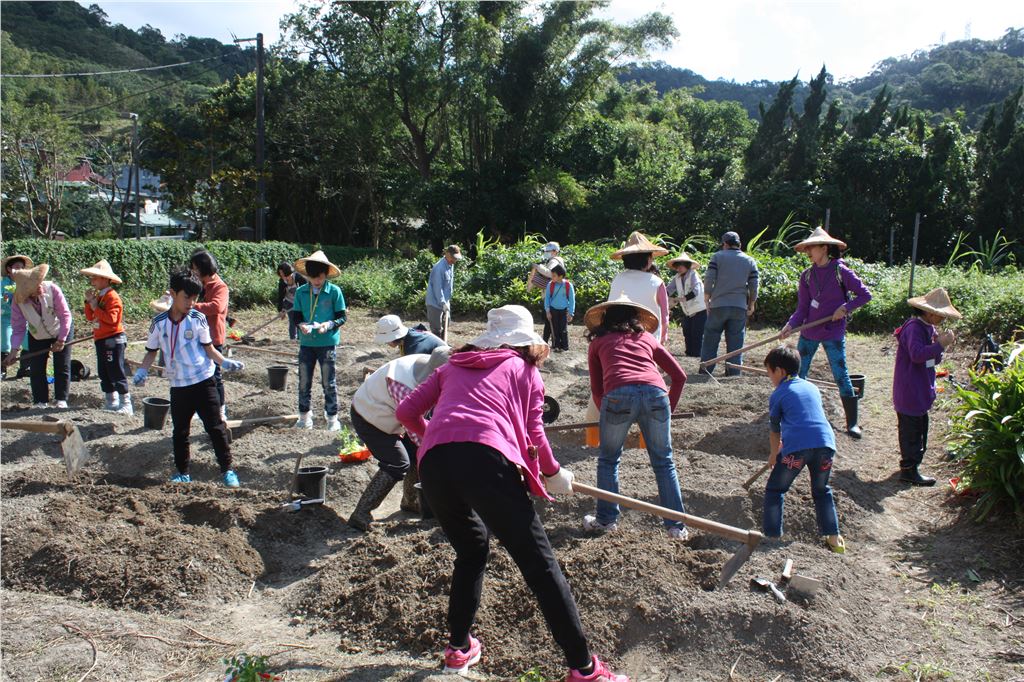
107 73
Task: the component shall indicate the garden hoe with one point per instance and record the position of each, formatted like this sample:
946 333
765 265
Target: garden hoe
749 538
75 452
776 337
250 336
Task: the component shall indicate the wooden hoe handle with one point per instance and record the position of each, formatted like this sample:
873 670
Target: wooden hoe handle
776 337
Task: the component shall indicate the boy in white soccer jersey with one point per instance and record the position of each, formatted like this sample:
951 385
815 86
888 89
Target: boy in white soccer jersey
184 337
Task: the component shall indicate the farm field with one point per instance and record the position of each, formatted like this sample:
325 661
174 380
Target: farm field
120 575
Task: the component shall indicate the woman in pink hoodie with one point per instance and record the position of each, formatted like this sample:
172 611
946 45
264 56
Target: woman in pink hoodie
483 453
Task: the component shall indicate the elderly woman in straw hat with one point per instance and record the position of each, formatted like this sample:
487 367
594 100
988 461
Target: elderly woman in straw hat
41 310
318 311
484 453
913 382
639 285
828 289
687 289
10 264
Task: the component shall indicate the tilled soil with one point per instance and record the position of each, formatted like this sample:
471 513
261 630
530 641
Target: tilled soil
217 572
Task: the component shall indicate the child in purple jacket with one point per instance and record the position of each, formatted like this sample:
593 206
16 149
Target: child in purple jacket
483 454
913 381
828 289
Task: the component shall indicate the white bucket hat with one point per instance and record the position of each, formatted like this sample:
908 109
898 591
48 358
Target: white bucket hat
426 364
551 246
509 325
101 269
390 328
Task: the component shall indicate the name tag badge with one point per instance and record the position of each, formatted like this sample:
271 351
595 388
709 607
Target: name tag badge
929 363
814 303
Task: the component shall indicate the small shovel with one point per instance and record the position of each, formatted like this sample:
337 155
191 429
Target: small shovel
765 585
72 445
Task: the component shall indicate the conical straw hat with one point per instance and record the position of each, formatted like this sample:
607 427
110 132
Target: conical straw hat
637 243
820 236
17 256
101 269
317 257
936 301
27 281
682 258
595 316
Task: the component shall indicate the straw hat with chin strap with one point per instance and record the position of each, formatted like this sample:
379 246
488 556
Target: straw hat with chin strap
28 261
595 316
819 237
683 258
101 269
936 301
317 257
637 243
27 281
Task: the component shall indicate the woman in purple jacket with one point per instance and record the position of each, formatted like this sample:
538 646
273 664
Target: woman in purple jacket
913 381
483 454
828 289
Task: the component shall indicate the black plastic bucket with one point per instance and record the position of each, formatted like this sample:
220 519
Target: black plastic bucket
154 412
858 381
312 483
551 410
277 375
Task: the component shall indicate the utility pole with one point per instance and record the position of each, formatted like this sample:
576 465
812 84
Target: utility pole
261 183
135 168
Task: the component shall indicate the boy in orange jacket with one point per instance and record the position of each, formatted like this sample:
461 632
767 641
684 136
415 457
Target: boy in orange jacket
104 309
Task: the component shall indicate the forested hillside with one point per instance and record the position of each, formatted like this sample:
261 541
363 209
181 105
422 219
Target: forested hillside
967 75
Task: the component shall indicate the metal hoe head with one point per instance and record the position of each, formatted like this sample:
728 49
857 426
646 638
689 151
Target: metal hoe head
73 447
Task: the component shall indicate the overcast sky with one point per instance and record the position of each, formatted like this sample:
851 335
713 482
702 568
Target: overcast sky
741 40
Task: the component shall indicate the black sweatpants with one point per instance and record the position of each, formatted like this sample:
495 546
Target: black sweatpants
476 492
218 377
913 435
110 364
186 401
61 369
559 328
393 452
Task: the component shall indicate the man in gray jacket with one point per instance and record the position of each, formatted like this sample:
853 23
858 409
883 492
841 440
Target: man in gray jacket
730 291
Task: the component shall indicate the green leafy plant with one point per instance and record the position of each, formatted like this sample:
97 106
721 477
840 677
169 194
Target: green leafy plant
248 668
532 675
348 441
789 233
989 434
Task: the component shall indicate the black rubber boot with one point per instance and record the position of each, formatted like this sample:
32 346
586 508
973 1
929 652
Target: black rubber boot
376 490
850 407
914 477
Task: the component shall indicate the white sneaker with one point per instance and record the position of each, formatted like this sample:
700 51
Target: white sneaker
61 405
224 412
110 402
590 522
126 408
305 420
40 406
682 534
332 422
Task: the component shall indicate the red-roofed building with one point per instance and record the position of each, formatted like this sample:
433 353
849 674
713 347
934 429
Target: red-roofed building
83 172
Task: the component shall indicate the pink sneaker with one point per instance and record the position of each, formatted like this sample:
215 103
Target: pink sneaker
601 674
456 661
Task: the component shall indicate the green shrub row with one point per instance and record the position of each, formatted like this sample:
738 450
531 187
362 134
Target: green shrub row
991 303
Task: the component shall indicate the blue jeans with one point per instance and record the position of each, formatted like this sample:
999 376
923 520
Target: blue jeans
308 357
647 406
819 465
836 353
731 320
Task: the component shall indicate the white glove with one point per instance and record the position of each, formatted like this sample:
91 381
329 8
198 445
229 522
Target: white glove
230 365
140 376
324 327
560 483
447 307
306 329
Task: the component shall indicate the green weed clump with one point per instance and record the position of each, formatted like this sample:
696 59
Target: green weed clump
988 428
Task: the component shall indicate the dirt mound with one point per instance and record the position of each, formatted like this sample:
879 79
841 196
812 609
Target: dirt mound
153 548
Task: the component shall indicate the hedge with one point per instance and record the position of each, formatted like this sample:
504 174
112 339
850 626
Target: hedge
991 303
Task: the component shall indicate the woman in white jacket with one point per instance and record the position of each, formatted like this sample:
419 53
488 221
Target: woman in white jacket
687 289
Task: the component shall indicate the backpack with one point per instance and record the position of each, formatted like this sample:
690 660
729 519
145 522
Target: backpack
806 277
551 288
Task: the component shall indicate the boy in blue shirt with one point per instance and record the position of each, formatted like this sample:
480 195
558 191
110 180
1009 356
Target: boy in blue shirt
802 435
318 312
559 306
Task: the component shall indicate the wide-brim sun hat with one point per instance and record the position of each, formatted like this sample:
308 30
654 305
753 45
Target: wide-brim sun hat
27 281
390 328
682 258
317 257
819 237
17 256
426 364
638 243
509 325
101 269
595 315
936 301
